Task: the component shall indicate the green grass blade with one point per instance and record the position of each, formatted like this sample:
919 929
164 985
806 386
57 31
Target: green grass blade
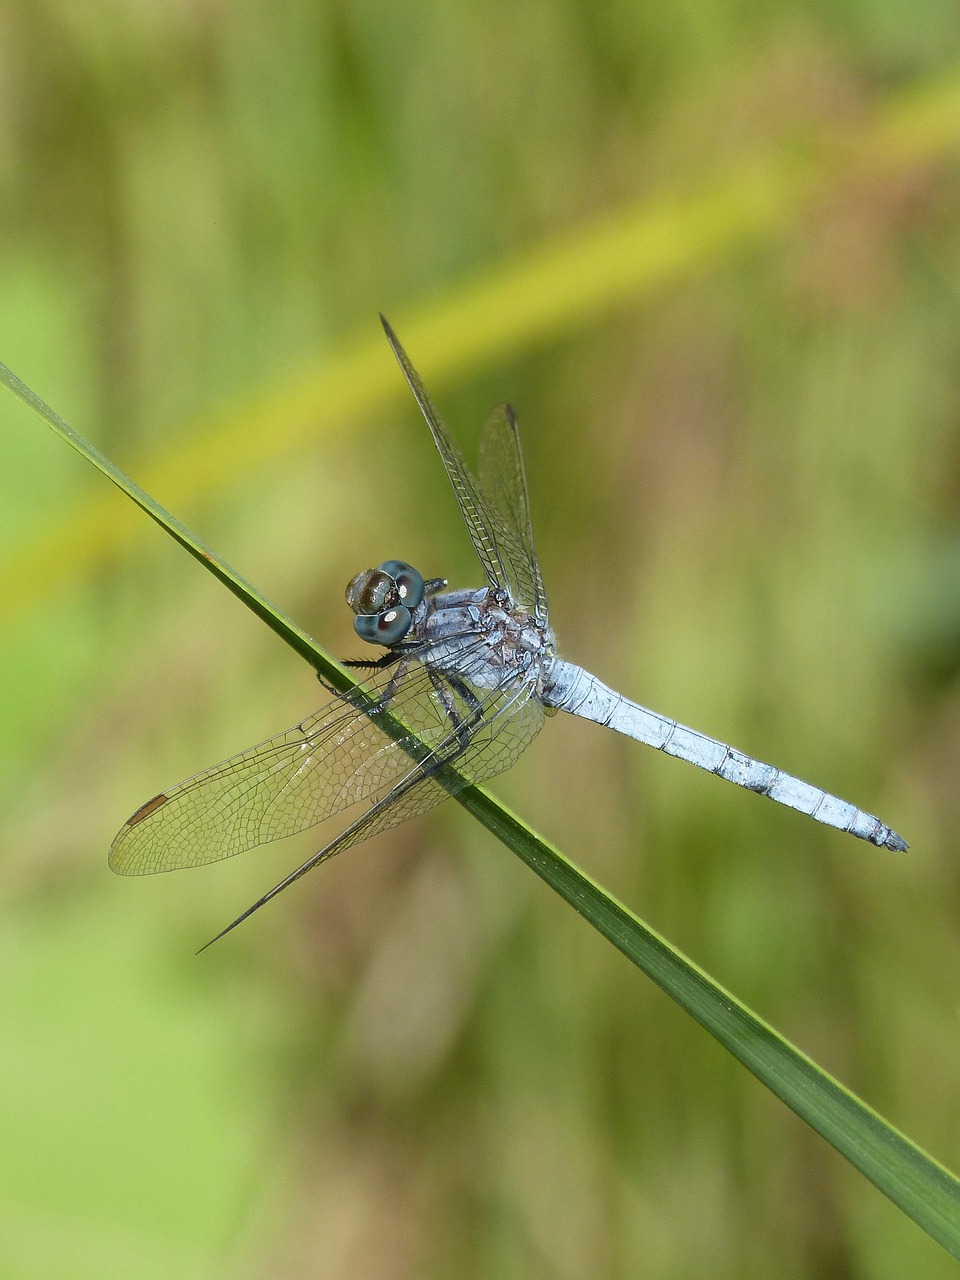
920 1186
917 1184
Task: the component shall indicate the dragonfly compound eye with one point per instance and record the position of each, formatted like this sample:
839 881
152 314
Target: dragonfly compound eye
386 628
410 584
371 592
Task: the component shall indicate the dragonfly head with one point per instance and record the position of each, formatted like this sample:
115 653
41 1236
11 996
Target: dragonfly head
384 600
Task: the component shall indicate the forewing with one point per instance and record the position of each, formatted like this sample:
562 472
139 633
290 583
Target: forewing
489 535
503 483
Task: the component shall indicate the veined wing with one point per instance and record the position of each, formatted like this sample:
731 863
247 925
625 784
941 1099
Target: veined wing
496 528
502 727
497 727
503 482
334 758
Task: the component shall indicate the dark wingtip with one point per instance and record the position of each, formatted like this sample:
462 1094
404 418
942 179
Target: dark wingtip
200 950
240 919
896 843
398 351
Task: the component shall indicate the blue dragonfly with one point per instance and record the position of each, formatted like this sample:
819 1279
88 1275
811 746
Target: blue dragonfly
461 689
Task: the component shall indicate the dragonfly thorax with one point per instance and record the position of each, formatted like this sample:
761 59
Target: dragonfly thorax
482 637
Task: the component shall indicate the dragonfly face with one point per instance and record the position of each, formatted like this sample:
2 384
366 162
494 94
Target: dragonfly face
384 601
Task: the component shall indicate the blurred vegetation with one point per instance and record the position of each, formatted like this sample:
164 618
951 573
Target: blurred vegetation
711 253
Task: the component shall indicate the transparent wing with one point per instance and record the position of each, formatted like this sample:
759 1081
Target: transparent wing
335 758
499 728
503 482
497 520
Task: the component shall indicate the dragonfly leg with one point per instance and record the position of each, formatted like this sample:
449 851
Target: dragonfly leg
459 725
326 684
403 666
369 664
468 696
462 726
403 649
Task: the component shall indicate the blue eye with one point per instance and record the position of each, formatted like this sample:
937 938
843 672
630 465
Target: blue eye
386 628
384 600
410 586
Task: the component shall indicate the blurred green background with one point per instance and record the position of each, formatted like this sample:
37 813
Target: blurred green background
711 253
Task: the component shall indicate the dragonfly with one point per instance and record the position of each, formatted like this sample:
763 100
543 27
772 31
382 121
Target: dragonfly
462 687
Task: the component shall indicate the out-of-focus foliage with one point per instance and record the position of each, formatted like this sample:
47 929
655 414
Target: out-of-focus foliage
744 476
